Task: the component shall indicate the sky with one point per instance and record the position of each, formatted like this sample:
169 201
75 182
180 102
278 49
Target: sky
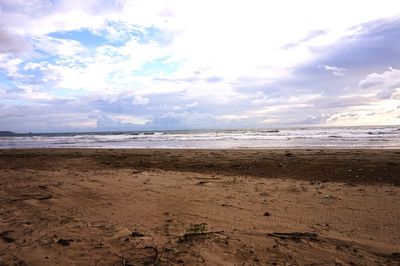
104 65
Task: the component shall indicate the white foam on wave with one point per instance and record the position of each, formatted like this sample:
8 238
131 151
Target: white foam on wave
340 137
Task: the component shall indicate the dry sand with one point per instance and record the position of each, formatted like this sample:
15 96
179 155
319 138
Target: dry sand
146 207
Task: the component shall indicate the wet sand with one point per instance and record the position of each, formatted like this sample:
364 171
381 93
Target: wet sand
199 207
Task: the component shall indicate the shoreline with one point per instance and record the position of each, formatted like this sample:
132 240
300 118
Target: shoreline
257 207
344 165
206 148
396 148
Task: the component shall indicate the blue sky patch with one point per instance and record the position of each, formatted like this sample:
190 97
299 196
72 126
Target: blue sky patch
158 66
5 82
84 36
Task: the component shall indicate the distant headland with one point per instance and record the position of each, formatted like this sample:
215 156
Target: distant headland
7 133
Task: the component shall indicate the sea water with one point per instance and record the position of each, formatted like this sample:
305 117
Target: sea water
387 137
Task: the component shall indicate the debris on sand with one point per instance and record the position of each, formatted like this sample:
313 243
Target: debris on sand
5 236
136 234
288 154
45 197
64 242
197 230
297 236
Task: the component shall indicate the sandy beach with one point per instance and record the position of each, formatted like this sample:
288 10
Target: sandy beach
199 207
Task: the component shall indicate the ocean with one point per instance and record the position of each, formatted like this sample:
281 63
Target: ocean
379 137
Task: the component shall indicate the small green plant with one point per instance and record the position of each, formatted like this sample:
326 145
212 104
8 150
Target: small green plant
195 229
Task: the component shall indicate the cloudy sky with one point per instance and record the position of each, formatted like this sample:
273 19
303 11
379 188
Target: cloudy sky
72 65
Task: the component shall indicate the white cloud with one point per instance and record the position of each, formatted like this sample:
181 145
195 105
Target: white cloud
275 109
270 121
187 119
140 100
12 44
130 119
372 115
337 71
88 123
260 98
63 48
385 84
106 69
232 117
40 17
9 65
31 66
32 92
193 104
380 94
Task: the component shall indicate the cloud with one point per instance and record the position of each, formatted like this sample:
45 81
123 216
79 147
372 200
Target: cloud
40 17
140 100
157 64
386 84
12 44
61 48
367 118
58 116
232 117
337 71
372 46
311 35
185 120
10 65
129 119
84 124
